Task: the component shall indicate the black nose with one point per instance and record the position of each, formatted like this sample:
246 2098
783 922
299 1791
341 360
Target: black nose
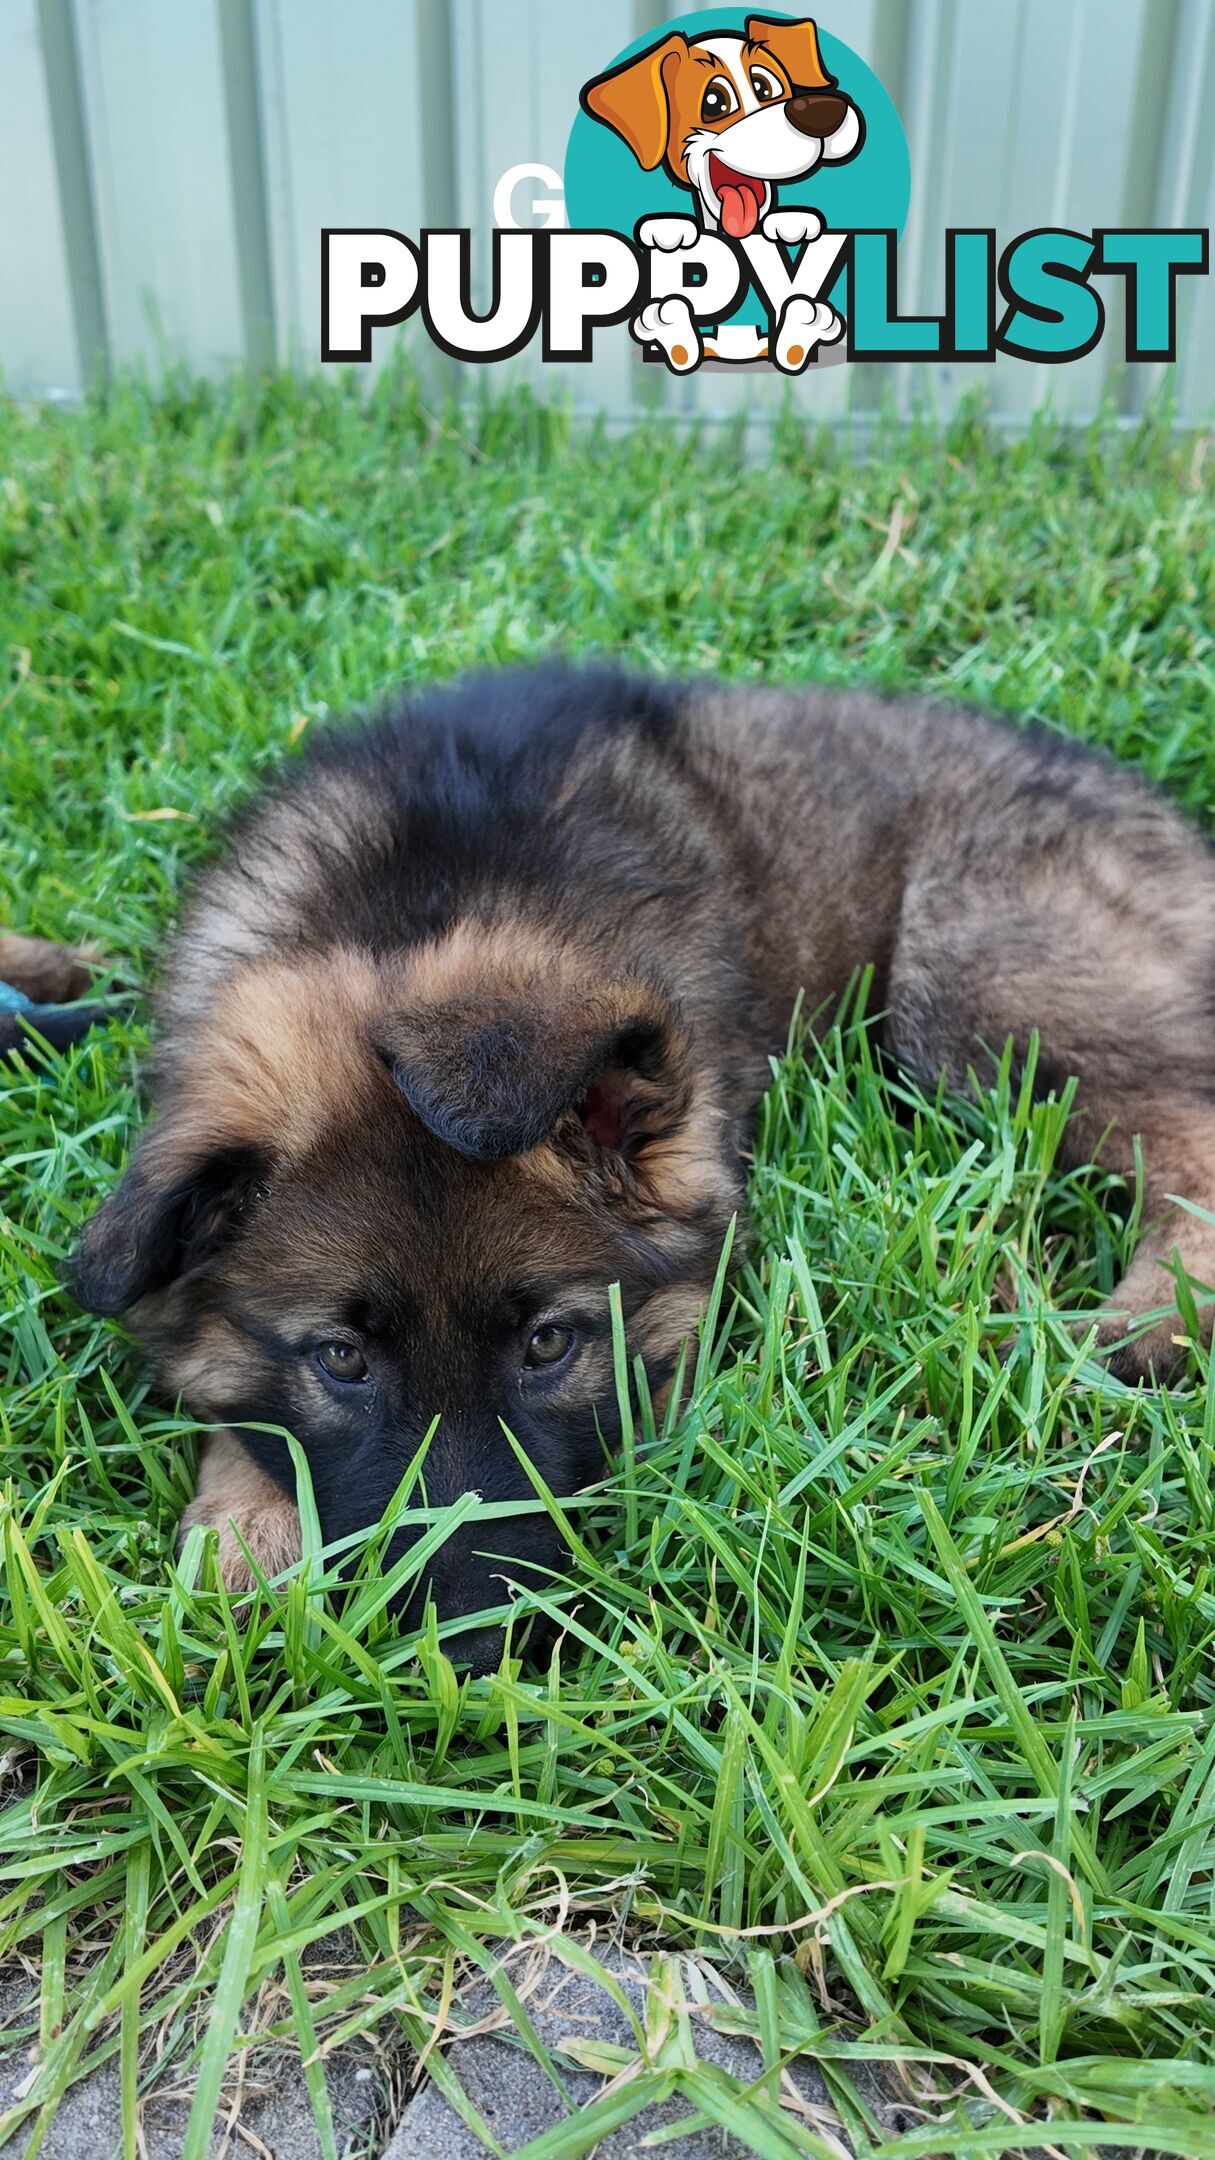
478 1650
817 112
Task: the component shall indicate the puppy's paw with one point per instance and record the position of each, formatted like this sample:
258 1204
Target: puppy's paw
270 1534
804 326
243 1505
671 325
792 225
668 233
1153 1355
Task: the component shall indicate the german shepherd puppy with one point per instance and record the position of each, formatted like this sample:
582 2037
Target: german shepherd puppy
471 1019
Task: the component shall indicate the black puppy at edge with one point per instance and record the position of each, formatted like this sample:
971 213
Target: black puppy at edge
470 1020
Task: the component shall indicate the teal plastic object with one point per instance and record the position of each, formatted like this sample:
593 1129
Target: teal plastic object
58 1025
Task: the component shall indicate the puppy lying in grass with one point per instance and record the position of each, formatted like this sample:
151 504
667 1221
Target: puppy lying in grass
471 1018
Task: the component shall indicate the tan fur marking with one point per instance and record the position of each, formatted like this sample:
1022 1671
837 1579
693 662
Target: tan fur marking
477 959
667 1319
286 1054
549 1168
211 1366
689 1171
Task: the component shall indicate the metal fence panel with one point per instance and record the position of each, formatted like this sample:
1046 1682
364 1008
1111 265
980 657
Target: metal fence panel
158 141
38 346
166 167
341 105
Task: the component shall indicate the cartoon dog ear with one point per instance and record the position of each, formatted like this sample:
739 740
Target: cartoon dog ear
171 1211
494 1076
634 101
795 46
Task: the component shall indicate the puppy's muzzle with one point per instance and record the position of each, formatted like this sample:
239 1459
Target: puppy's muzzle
817 112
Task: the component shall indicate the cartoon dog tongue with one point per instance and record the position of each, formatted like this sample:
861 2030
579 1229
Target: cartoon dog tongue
740 197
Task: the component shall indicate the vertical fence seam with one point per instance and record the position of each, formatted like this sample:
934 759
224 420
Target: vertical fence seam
74 179
440 172
242 90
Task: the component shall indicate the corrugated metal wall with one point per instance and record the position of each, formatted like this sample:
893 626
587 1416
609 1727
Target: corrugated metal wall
166 167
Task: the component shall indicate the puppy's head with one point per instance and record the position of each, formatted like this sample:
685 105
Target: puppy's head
379 1195
729 116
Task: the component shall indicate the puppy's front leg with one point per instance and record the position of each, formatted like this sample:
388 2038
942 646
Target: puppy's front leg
234 1494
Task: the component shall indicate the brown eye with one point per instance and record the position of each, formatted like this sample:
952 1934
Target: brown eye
764 85
549 1344
718 101
342 1361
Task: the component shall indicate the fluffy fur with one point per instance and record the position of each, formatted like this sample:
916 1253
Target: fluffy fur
470 1019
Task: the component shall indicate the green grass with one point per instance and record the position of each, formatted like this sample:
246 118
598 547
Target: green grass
888 1674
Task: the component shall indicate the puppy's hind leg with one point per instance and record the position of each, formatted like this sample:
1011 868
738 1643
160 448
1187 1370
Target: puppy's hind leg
1178 1146
1097 931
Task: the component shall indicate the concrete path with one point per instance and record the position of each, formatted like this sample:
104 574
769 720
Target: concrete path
273 2119
517 2100
273 2114
507 2086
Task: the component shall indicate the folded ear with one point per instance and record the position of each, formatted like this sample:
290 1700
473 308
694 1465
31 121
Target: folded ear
494 1074
632 100
795 46
170 1212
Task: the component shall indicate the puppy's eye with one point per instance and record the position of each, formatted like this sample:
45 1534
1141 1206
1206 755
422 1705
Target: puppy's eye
719 100
549 1345
764 85
342 1361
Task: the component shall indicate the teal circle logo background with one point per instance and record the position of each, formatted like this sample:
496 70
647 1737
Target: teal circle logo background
606 188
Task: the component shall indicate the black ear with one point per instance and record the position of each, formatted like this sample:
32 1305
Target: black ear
494 1076
168 1214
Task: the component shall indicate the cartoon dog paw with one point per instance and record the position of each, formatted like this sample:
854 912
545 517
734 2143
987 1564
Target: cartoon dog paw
671 324
793 226
668 233
804 325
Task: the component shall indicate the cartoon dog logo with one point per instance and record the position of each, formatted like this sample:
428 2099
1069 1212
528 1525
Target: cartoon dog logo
728 117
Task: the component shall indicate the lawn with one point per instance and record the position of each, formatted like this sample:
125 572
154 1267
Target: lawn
887 1682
